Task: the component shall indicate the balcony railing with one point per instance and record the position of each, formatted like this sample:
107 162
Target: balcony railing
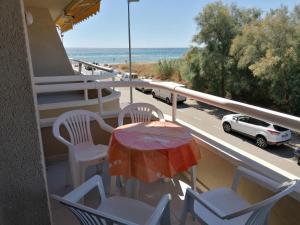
282 119
93 66
71 79
53 81
221 147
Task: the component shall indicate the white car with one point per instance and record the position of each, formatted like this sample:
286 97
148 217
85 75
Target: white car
167 95
264 133
145 89
126 77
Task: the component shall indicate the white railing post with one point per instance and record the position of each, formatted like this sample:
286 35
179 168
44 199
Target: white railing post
174 106
80 68
86 94
100 101
93 70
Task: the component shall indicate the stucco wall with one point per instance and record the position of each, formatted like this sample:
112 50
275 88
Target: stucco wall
49 57
23 192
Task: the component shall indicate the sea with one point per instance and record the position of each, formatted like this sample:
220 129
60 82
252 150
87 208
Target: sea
120 55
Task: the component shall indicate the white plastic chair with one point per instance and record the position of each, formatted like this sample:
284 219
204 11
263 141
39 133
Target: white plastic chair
139 112
82 151
114 210
224 206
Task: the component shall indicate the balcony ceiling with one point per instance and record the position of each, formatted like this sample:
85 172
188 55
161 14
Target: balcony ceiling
67 13
55 6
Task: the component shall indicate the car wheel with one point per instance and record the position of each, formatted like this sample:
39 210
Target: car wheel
153 94
261 141
227 127
168 101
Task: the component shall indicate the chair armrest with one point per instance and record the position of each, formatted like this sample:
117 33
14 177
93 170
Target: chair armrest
107 128
56 133
255 177
194 196
64 141
80 191
162 208
197 197
103 125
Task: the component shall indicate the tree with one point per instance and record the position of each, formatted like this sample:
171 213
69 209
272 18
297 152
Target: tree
219 25
190 69
269 48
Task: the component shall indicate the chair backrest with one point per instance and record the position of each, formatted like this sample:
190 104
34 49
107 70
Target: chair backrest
77 123
260 210
139 112
89 216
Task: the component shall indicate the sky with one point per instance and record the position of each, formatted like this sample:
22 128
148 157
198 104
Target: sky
154 23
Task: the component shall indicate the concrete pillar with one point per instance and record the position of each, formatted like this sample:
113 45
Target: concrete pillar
49 57
23 188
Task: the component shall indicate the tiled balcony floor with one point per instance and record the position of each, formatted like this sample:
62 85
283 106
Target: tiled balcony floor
149 192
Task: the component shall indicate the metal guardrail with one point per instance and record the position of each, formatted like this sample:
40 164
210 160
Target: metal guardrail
286 120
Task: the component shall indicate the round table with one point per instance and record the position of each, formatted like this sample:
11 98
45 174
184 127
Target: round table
150 151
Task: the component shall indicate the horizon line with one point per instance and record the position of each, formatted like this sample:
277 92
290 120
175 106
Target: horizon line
124 47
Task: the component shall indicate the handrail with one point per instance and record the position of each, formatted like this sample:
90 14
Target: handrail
107 69
81 80
282 119
286 120
70 78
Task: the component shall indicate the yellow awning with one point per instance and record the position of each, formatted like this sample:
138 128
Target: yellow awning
77 11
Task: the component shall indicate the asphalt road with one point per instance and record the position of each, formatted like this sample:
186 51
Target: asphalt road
208 119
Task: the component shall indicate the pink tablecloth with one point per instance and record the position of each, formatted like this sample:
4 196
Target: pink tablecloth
149 151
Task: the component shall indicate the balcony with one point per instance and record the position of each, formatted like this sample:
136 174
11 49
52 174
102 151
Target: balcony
219 158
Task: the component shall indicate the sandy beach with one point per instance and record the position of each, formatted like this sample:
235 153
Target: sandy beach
142 69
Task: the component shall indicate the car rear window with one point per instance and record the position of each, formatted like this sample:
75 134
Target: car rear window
279 128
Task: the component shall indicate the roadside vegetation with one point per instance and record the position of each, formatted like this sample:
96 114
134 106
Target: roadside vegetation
243 54
169 69
143 69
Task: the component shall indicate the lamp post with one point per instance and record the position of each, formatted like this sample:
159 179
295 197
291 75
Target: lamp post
129 43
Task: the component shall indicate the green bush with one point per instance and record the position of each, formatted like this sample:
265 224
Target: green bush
167 69
164 69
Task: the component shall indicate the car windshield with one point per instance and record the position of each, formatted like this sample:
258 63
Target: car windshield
279 128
